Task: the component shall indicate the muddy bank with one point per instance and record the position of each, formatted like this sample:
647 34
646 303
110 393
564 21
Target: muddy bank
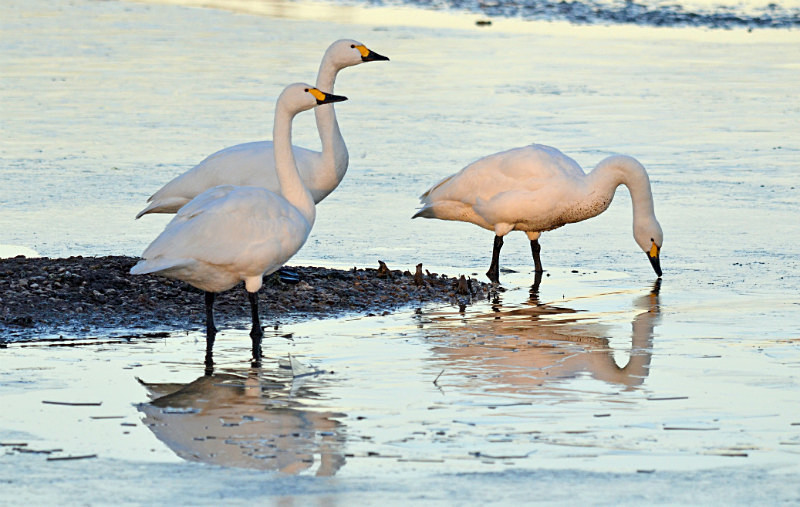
79 296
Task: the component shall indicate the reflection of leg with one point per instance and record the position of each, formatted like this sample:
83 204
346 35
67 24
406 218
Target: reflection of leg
535 249
494 268
255 333
534 292
211 330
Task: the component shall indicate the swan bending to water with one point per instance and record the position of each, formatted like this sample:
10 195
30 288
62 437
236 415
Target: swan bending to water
229 234
537 188
253 163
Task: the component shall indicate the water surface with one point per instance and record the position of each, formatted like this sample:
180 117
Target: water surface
103 102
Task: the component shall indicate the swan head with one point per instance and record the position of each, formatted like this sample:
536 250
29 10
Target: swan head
648 235
299 97
347 52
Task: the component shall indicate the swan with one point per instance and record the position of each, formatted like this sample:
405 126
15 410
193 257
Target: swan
253 163
537 188
229 234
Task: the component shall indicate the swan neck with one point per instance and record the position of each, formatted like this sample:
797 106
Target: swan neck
292 187
623 170
334 150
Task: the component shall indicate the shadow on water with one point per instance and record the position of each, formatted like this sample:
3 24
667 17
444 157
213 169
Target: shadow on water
518 347
246 419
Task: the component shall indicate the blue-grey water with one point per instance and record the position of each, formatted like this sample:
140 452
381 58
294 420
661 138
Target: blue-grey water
597 382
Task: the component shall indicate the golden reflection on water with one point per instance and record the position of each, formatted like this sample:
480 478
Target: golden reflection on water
245 420
518 347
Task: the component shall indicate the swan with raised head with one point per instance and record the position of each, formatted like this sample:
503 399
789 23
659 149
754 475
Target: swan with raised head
537 188
230 234
253 163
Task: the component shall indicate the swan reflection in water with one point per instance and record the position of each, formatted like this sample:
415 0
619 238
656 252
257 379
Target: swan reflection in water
530 345
246 420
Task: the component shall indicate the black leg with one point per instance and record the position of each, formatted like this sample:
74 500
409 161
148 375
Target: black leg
211 330
494 269
535 249
255 333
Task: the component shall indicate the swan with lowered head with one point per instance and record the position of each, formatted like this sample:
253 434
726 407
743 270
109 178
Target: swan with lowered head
536 189
253 163
229 234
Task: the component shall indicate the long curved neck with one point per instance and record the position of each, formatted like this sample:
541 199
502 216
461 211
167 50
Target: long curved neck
334 151
618 170
292 187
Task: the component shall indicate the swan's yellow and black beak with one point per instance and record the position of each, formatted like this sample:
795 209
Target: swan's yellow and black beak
652 255
325 98
367 55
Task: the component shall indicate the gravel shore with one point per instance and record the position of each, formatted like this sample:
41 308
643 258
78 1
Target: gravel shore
78 296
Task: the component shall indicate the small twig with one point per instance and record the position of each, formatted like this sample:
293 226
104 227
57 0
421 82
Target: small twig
28 450
66 458
74 404
437 378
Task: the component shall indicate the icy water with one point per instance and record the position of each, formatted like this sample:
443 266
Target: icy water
624 390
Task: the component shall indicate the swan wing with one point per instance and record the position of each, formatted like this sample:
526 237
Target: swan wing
241 228
517 169
247 164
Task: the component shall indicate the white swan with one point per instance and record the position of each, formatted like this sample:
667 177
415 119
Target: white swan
537 188
253 163
229 234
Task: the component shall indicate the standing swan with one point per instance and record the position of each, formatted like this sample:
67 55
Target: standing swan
537 188
253 163
229 234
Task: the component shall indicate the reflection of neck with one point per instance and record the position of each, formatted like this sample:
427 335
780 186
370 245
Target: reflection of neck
638 367
334 152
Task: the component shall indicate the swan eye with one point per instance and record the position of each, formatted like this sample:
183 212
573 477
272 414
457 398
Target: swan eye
352 46
307 90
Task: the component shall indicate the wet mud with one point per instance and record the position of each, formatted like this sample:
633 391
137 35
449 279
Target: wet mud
72 297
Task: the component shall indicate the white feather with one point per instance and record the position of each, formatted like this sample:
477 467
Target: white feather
253 164
228 233
536 189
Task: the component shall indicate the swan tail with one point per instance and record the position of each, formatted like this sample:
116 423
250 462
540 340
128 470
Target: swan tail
445 210
426 212
426 197
148 266
169 205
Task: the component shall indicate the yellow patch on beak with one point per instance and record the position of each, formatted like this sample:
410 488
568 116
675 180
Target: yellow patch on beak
363 50
654 250
317 94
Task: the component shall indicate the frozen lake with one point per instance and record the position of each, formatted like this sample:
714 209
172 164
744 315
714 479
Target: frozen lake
600 380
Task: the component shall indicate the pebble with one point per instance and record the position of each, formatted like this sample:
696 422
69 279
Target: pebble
98 292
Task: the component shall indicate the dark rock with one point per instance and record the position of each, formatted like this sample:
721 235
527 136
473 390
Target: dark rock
95 293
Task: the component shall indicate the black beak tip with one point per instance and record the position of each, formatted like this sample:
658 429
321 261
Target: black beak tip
372 56
656 263
329 99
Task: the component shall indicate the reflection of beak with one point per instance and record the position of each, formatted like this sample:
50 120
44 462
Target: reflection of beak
654 260
656 287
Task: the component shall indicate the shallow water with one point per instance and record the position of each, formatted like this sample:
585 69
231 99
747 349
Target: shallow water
104 101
